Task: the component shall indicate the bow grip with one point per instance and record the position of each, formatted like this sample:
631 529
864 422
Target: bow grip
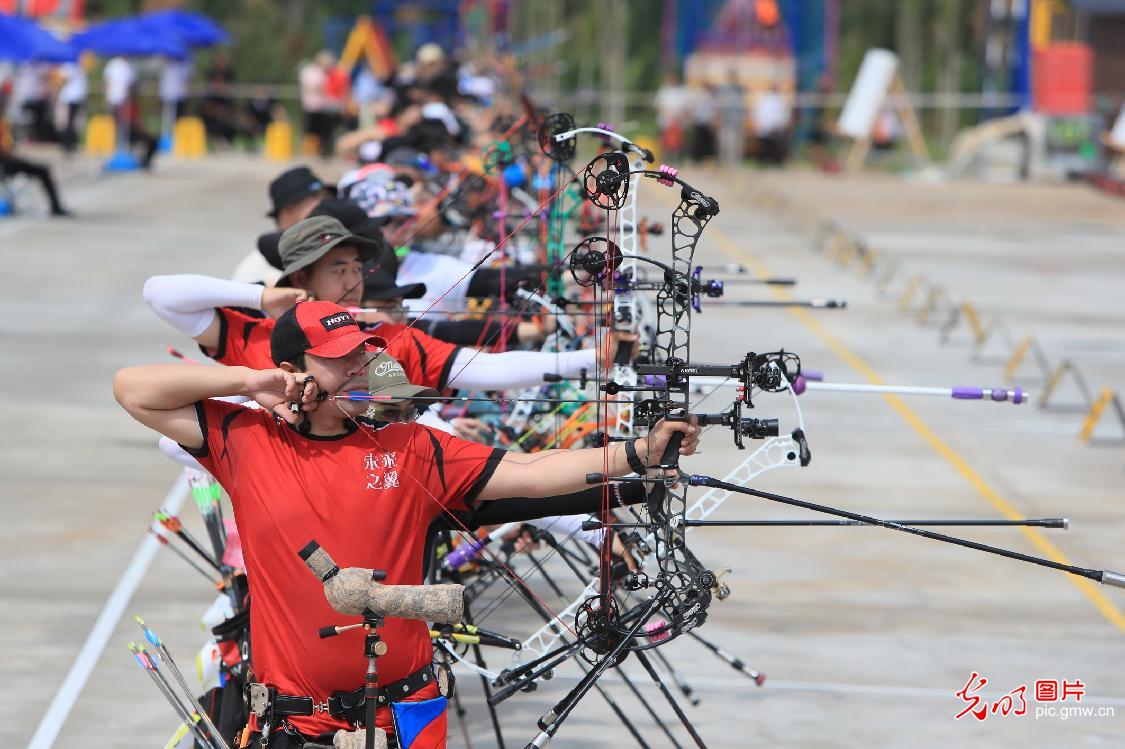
671 456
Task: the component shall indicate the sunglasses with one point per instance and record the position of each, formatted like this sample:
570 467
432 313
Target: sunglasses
395 413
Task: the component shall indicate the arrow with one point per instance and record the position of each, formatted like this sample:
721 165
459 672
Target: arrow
173 524
164 542
156 642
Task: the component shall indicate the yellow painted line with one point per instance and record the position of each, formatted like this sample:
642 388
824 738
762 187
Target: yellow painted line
942 448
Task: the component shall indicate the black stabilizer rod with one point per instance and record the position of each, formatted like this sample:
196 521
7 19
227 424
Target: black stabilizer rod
1105 577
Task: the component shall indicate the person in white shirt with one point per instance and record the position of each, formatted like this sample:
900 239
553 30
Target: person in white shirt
175 80
732 116
315 103
71 101
772 117
119 77
703 116
672 100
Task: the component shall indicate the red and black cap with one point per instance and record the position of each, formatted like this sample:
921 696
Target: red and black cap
317 328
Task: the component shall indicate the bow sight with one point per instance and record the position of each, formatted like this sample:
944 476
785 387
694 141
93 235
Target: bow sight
770 372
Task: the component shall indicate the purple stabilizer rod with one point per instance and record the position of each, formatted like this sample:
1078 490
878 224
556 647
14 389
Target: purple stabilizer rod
999 395
471 548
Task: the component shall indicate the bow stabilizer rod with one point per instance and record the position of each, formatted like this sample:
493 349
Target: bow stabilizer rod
1105 577
1062 523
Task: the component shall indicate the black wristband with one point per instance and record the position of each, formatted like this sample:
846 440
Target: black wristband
635 463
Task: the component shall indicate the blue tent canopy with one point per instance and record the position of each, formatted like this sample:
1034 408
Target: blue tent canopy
130 36
192 29
22 40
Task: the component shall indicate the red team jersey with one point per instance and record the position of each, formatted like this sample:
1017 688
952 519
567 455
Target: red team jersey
368 497
244 341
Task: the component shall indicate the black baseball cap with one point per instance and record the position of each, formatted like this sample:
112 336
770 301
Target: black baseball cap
379 285
296 184
347 213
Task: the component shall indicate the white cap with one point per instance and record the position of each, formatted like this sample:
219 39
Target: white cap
429 53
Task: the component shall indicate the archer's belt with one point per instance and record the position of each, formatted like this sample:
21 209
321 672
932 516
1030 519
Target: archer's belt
349 706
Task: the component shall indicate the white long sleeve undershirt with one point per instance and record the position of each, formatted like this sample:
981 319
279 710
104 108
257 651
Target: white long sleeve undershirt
187 302
517 369
569 525
173 451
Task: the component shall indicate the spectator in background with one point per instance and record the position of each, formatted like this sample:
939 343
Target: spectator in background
175 82
71 102
33 94
370 96
434 72
260 111
672 100
820 141
12 164
336 85
475 81
887 130
218 110
120 76
772 117
732 121
313 78
703 112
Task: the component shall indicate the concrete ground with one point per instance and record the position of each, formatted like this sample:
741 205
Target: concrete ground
866 635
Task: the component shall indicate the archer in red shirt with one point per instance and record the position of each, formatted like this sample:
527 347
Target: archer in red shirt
305 466
244 341
324 261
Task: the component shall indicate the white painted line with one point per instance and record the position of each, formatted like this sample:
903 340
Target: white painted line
83 666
